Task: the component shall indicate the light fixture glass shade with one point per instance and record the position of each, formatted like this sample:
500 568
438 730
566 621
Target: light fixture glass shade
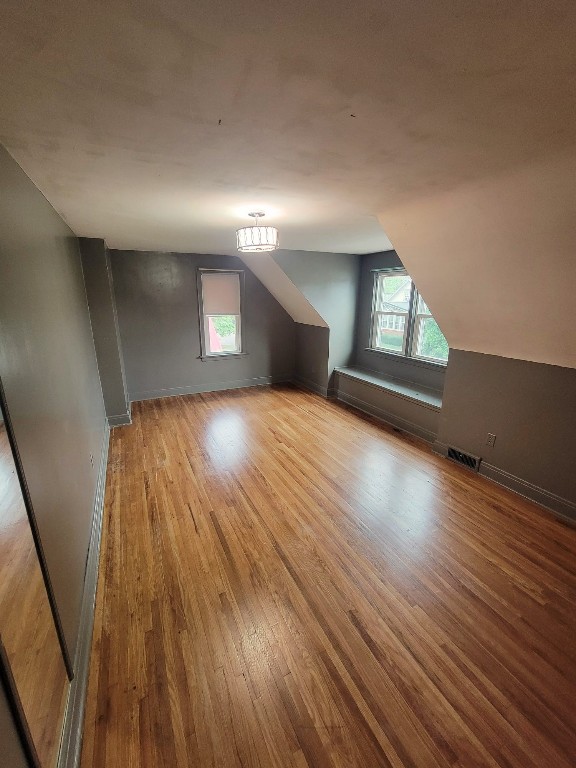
257 238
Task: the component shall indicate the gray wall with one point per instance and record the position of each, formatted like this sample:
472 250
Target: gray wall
418 371
156 299
330 283
417 418
102 306
312 353
10 745
48 368
530 407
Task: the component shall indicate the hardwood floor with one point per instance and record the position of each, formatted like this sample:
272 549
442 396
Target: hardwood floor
285 583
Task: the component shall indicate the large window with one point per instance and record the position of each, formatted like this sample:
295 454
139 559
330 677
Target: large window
220 313
401 321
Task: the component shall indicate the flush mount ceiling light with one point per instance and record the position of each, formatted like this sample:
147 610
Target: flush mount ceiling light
257 237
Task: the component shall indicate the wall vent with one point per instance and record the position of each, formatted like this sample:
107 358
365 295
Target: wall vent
472 462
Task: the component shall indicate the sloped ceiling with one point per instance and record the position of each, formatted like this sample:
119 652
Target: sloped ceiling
158 125
284 290
496 260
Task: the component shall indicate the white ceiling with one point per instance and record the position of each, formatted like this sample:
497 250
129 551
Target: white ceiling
160 124
113 109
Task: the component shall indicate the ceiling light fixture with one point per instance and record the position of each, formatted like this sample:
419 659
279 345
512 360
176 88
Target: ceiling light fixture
257 238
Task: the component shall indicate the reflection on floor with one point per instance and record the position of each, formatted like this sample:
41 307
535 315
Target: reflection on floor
26 623
286 583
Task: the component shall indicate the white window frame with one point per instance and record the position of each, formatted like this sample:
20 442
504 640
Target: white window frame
390 326
413 323
203 318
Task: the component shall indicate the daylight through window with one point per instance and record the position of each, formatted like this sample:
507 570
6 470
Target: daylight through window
401 321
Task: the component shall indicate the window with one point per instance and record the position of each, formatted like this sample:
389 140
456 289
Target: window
401 321
220 317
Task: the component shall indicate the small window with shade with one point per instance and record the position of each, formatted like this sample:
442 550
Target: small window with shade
220 312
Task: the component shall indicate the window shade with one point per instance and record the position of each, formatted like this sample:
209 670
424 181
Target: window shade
221 293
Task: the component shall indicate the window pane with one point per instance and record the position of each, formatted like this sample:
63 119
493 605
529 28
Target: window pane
393 293
429 339
422 308
389 332
222 334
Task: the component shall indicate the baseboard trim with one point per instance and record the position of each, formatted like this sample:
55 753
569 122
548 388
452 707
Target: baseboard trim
440 448
388 418
310 386
121 420
556 504
71 744
259 381
559 506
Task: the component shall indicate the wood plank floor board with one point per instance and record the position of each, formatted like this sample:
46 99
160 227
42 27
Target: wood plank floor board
286 583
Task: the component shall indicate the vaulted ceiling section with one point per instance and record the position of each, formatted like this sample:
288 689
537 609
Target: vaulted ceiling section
446 126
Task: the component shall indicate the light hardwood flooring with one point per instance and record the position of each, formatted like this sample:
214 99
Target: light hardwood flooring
286 583
27 628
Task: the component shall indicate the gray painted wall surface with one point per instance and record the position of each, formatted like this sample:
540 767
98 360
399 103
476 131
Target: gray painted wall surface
49 371
420 372
312 351
330 283
100 293
530 407
417 418
156 299
10 746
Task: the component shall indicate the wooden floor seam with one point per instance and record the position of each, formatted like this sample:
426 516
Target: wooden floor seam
284 582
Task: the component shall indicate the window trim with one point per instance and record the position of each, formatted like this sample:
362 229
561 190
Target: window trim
376 314
205 354
412 318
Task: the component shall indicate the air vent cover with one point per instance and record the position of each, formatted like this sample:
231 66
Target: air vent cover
472 462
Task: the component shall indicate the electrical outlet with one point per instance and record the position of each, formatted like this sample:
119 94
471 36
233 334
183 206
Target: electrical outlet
92 461
491 439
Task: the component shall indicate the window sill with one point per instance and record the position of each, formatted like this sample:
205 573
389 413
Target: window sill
225 356
408 360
